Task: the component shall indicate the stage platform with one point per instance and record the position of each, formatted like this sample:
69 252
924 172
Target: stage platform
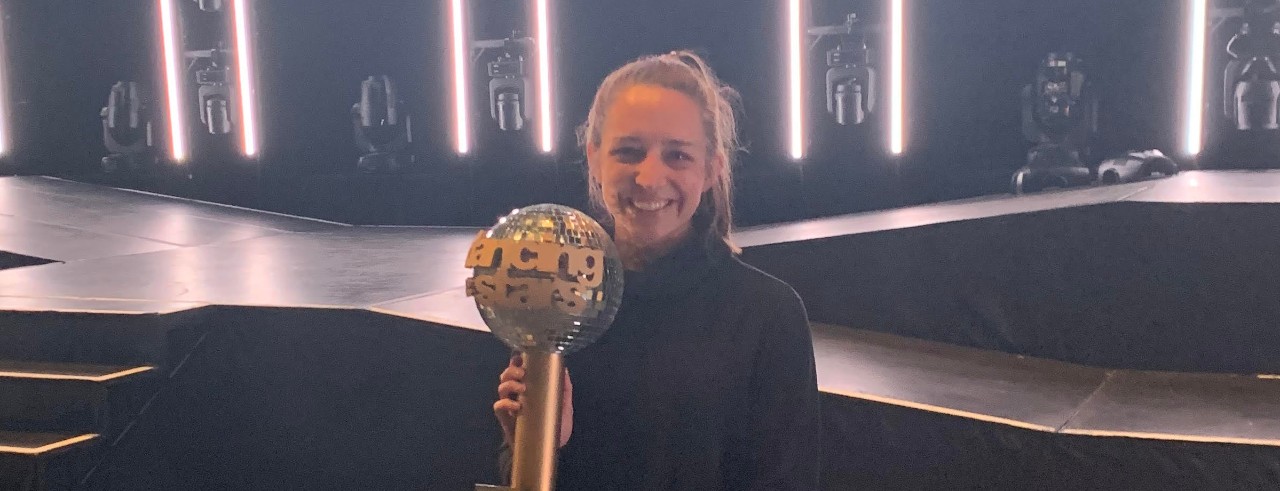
1074 334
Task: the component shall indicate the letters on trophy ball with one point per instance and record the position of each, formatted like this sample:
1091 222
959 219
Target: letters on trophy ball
546 274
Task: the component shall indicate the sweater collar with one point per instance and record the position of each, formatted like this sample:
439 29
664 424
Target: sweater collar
679 270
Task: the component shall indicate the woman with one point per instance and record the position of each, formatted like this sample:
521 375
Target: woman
706 378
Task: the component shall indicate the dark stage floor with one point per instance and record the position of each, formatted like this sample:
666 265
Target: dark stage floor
124 253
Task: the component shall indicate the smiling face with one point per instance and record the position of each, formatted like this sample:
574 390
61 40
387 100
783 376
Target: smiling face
653 164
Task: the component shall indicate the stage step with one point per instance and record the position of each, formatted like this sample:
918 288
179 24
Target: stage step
158 340
45 461
71 397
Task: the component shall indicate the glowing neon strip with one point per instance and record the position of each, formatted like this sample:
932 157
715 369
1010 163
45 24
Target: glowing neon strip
244 65
896 129
461 128
172 80
5 143
1195 76
795 41
544 76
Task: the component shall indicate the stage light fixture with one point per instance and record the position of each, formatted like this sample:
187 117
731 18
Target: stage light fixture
795 54
1060 121
383 127
509 84
1196 27
1251 81
126 129
543 39
215 94
245 73
173 79
462 144
851 80
210 5
897 61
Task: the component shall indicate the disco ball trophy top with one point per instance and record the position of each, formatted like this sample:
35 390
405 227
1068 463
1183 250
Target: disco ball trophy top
547 280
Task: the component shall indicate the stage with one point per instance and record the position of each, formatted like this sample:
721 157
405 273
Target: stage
1104 337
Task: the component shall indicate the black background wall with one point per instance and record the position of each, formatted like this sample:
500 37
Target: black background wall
968 60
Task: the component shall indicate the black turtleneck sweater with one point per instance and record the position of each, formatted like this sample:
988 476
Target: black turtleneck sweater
704 381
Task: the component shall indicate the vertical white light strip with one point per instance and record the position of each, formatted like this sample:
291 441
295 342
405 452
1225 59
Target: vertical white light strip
544 76
795 41
896 116
6 142
460 57
172 79
245 70
1195 75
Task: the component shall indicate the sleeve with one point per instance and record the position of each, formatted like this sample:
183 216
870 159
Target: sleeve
504 462
785 420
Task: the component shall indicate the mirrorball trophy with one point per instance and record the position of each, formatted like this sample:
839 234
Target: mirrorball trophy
547 281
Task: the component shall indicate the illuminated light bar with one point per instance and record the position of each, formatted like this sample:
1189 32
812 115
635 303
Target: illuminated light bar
795 41
245 70
544 77
460 63
1195 76
173 79
6 140
897 130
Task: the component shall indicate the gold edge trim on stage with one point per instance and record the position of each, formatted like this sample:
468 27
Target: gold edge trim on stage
79 311
1268 376
52 446
222 205
85 378
428 318
941 410
415 296
1174 437
183 305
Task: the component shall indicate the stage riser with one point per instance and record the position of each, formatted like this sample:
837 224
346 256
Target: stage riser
72 406
61 471
1149 286
109 339
75 407
870 445
310 399
360 400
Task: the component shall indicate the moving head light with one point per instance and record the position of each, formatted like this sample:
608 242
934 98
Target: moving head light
1251 81
383 127
126 129
213 76
850 78
509 83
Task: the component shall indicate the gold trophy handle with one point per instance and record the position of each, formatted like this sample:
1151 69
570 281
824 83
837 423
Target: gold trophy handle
537 438
533 466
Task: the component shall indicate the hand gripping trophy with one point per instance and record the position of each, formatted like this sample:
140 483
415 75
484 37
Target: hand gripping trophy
547 281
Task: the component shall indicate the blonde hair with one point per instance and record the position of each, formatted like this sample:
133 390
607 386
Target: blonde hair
685 72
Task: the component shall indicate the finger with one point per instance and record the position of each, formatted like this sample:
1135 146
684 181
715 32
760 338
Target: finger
517 359
511 373
510 389
506 408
